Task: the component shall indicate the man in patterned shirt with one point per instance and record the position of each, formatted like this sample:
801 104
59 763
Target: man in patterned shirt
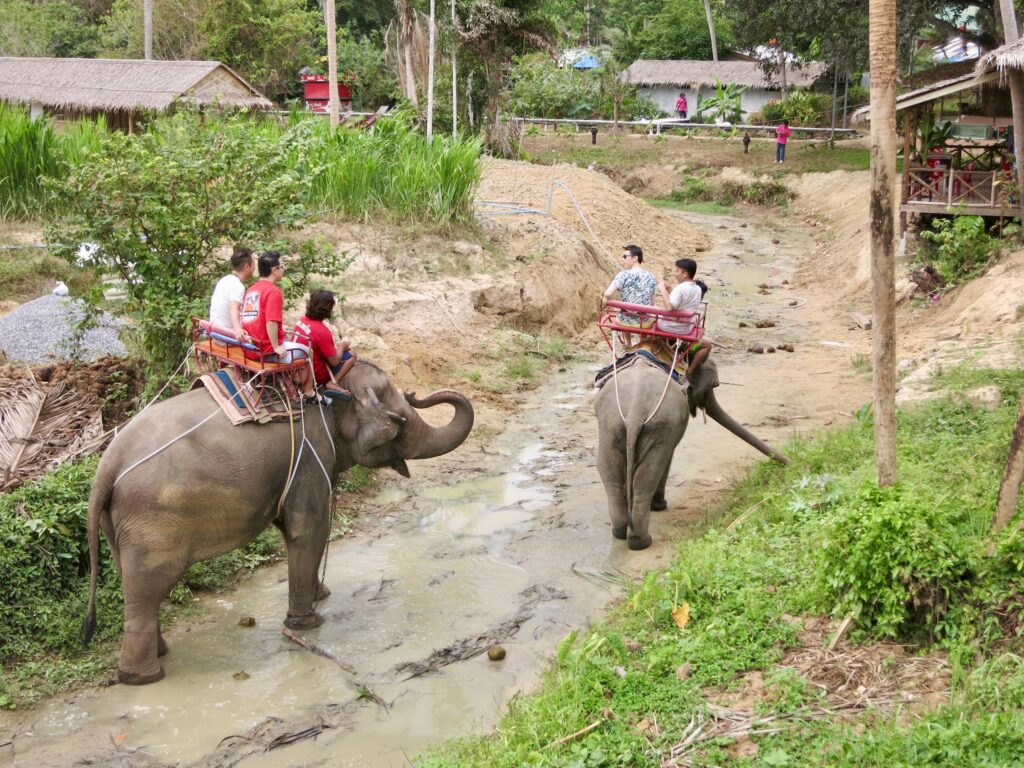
635 285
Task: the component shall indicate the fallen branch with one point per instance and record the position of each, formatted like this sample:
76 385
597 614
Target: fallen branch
317 650
571 736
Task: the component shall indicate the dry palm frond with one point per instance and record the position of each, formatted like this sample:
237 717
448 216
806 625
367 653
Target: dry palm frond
41 426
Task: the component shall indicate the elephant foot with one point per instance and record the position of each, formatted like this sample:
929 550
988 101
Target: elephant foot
161 646
322 592
638 542
134 678
619 532
306 621
658 504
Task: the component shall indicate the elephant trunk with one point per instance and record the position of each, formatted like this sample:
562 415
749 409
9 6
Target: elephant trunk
716 412
420 440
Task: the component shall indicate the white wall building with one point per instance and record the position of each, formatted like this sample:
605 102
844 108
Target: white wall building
662 80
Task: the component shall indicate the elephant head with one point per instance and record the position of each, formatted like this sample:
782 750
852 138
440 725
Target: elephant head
388 430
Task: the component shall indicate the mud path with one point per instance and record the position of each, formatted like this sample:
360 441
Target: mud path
506 540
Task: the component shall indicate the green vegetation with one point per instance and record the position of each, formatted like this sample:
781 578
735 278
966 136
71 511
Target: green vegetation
31 152
960 247
45 562
25 273
769 192
518 360
815 537
541 88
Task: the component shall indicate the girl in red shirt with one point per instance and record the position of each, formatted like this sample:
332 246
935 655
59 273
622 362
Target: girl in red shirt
330 362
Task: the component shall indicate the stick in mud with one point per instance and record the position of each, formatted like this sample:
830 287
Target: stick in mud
317 650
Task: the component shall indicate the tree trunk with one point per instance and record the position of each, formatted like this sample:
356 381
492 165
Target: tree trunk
1010 35
835 98
882 39
711 31
147 29
469 101
332 63
430 73
455 79
1009 488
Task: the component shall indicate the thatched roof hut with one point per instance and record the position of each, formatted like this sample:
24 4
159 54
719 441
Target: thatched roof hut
122 87
1009 56
687 73
661 80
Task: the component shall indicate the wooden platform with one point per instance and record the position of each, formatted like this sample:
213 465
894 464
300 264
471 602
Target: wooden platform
231 355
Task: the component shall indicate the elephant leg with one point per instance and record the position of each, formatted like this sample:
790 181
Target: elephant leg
659 503
322 591
306 526
161 644
647 478
145 587
611 463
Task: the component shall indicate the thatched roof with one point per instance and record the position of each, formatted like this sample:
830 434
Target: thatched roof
111 85
939 73
686 73
1009 56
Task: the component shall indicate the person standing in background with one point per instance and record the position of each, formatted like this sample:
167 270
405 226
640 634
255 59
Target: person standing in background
782 134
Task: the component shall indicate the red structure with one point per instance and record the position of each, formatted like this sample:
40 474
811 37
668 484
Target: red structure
317 92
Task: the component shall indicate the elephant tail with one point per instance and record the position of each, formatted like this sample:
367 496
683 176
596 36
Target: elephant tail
99 500
633 430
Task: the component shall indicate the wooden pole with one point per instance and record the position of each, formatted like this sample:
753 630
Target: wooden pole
711 31
332 63
1009 488
430 73
455 79
882 40
147 29
905 186
835 98
1010 35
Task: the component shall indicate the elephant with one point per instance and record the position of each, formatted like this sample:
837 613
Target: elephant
176 487
636 443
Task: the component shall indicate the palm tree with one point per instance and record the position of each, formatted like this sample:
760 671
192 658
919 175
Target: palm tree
711 31
882 38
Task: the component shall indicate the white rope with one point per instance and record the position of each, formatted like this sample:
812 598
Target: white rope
668 380
168 444
615 377
584 217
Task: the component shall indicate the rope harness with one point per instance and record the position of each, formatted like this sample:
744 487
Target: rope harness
664 391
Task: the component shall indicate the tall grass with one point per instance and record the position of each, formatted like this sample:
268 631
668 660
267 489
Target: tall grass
391 169
32 151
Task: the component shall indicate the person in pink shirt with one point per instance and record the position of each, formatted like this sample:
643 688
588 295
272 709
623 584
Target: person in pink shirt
681 105
782 133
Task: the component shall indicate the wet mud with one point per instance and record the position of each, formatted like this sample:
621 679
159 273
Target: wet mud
506 541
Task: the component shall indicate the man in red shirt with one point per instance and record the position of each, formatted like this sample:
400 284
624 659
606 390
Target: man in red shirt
263 312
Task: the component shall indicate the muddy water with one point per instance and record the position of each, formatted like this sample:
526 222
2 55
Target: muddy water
508 535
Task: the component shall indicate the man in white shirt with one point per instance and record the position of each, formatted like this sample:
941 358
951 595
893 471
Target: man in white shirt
685 297
227 296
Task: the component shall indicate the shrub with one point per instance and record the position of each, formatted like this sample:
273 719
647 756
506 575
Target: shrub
800 108
959 246
893 560
694 190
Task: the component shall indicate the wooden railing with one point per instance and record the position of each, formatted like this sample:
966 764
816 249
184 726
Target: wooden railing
955 188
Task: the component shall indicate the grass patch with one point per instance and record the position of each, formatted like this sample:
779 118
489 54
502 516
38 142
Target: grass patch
517 360
815 537
709 208
27 273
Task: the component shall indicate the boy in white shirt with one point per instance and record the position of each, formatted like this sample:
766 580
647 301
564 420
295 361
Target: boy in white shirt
225 306
685 297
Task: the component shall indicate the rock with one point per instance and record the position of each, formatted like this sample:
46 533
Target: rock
619 671
764 324
241 675
743 325
247 621
683 671
785 282
905 364
633 646
607 714
861 321
463 248
786 347
987 398
770 350
743 225
756 350
793 303
775 241
496 653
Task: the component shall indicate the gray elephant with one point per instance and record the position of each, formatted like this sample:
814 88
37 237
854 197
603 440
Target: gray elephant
172 490
638 431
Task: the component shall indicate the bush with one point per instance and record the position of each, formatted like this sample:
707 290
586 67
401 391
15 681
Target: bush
800 108
759 192
893 559
959 246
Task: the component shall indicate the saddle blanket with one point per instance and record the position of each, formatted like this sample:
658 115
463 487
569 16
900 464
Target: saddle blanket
243 403
642 356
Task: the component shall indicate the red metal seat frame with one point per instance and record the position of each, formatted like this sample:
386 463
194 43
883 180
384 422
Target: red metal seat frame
607 321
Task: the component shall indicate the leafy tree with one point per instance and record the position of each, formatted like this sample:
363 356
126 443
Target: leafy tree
159 205
267 40
680 31
54 28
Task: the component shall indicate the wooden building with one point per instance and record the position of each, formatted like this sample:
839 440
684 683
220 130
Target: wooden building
122 90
